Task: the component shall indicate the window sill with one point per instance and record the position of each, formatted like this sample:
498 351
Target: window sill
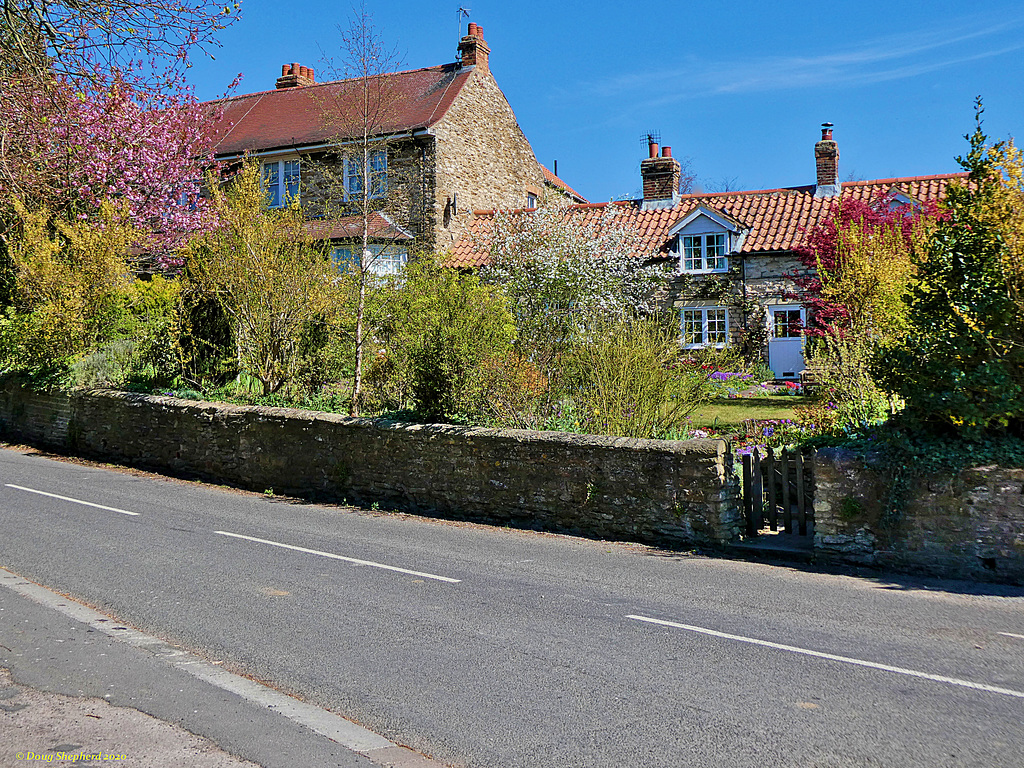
702 271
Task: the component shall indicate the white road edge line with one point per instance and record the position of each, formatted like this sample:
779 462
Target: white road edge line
322 721
73 501
340 557
834 657
1010 634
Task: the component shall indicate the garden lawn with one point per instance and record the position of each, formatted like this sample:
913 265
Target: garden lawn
727 414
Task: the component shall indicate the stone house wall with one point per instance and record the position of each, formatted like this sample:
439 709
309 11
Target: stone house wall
482 156
477 151
410 199
964 525
761 278
765 277
662 492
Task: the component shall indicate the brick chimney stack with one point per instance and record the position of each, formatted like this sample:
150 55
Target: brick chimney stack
826 158
295 76
661 176
473 50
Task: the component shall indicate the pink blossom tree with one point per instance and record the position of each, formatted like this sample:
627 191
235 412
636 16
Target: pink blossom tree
94 106
68 146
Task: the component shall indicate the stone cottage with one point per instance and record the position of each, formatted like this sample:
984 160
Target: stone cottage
443 141
732 253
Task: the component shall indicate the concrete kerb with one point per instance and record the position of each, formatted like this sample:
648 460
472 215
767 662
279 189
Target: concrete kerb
374 747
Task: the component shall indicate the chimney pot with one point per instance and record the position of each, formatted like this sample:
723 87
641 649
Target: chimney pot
294 76
479 31
666 151
312 75
471 31
652 148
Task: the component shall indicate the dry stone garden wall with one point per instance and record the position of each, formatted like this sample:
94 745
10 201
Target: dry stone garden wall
661 492
968 524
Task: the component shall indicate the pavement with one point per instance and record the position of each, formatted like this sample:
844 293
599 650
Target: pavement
77 686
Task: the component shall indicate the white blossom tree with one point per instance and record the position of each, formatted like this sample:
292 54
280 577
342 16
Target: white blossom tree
561 269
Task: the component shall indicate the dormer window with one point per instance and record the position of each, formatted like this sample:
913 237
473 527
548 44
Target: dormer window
281 181
899 200
703 253
704 238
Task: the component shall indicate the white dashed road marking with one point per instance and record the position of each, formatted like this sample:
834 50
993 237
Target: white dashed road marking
340 557
834 657
73 501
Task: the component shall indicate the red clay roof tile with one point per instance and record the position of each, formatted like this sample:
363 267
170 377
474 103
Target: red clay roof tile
296 117
350 227
777 219
556 182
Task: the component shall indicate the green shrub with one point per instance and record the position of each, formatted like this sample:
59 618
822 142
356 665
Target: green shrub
843 366
108 366
440 329
628 378
70 288
962 365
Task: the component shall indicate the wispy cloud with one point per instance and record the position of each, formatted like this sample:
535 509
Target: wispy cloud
892 57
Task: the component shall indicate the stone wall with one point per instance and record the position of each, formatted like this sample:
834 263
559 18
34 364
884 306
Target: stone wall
766 281
967 525
639 490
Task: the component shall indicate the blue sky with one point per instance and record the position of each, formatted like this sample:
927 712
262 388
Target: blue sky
738 87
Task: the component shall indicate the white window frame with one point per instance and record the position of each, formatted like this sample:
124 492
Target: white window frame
703 239
377 190
382 260
705 327
531 200
775 308
279 194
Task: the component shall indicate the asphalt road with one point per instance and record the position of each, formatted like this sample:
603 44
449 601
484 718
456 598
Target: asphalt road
507 649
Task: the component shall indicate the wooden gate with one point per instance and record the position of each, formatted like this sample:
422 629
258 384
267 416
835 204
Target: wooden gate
776 491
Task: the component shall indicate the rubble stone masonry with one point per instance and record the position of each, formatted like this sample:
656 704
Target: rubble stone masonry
482 156
660 492
964 525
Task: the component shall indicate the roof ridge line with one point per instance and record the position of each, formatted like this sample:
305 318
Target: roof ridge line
321 84
931 177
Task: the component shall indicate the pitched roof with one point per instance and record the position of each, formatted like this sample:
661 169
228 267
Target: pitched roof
775 219
295 117
351 227
557 183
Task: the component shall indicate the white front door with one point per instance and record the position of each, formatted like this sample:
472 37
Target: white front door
786 341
